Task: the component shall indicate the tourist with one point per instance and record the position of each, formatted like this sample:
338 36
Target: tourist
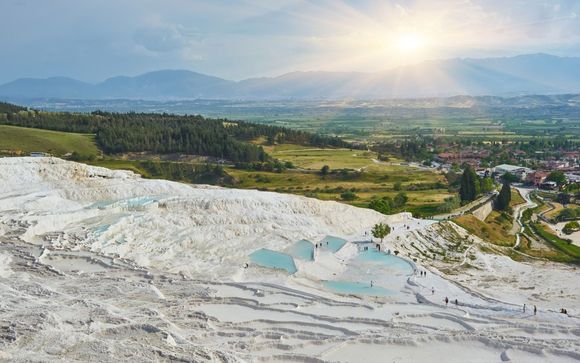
456 303
446 301
535 309
524 308
432 291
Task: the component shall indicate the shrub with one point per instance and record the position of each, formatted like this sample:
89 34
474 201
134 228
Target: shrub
348 196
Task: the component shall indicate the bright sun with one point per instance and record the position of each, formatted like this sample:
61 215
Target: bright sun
409 43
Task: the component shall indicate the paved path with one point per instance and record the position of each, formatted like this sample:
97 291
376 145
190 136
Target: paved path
518 227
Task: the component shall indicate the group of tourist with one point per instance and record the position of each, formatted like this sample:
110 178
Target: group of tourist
447 301
422 273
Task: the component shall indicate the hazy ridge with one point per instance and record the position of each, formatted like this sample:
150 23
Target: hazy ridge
508 76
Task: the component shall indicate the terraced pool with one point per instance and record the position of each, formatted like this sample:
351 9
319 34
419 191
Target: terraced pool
303 250
332 243
388 273
389 262
357 288
273 259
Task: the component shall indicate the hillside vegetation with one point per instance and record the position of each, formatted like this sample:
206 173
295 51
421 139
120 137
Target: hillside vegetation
164 133
236 154
18 140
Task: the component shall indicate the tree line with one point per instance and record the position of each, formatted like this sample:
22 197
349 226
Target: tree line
10 108
472 186
167 133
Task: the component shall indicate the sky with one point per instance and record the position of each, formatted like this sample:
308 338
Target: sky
92 40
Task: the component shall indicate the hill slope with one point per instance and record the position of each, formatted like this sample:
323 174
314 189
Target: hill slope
57 143
198 230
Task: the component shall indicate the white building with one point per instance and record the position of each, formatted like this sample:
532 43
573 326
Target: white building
573 178
516 170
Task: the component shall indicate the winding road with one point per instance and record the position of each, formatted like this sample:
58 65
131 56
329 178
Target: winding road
518 213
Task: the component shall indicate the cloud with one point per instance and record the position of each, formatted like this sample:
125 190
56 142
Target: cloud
163 38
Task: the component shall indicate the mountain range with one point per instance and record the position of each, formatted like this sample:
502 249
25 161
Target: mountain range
507 76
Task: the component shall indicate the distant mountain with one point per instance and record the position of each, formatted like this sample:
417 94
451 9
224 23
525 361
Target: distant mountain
508 76
164 84
56 87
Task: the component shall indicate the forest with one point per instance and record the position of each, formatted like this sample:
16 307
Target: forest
167 133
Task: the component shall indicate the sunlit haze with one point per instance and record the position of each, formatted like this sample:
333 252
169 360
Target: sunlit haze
93 40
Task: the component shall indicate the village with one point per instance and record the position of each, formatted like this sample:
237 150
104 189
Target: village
532 169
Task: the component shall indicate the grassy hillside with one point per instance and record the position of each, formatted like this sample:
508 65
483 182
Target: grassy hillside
26 140
495 229
516 198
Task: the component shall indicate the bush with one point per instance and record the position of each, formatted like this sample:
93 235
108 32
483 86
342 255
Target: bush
383 205
75 156
450 203
571 227
348 196
567 214
400 200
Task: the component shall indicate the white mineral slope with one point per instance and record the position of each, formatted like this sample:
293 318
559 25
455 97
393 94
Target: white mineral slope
63 303
198 230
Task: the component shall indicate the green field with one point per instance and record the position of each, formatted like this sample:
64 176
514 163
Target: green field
350 170
315 158
26 140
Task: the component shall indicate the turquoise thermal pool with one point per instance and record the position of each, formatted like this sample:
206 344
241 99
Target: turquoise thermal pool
272 259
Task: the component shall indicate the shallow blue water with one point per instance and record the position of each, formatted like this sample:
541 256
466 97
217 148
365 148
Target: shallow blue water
101 204
272 259
388 272
101 229
332 243
303 250
392 262
357 288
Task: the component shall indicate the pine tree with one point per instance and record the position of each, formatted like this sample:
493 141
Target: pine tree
504 197
470 185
